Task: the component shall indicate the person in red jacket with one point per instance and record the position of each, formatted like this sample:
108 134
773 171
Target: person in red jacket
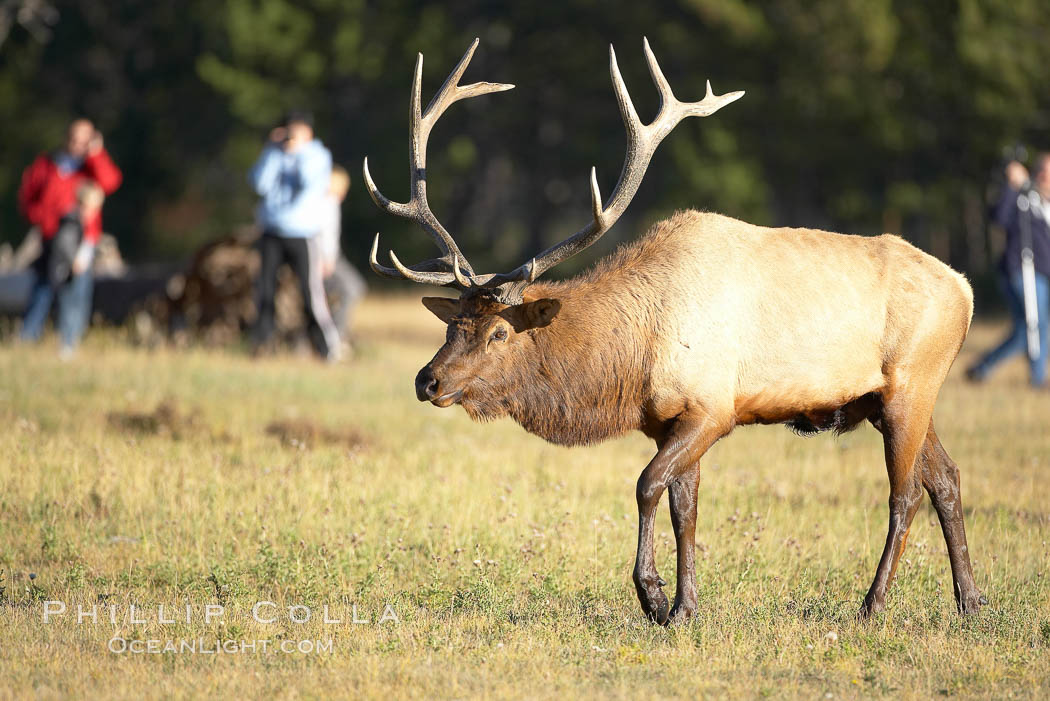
48 197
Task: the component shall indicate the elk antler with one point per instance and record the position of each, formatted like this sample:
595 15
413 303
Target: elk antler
446 269
641 144
642 140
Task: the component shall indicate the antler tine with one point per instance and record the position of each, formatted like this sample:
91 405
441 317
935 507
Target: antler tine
418 208
420 276
431 265
596 201
451 91
675 109
377 267
642 140
711 103
662 86
464 282
383 202
623 98
380 269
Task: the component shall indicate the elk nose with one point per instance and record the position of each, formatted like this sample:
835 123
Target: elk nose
426 385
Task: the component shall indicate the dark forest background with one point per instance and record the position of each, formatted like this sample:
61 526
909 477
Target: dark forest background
861 116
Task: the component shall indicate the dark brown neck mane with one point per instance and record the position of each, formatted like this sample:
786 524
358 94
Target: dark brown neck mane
584 378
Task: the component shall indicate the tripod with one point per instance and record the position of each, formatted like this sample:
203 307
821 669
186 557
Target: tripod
1028 199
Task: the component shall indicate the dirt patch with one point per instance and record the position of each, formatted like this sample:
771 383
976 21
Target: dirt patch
305 434
165 420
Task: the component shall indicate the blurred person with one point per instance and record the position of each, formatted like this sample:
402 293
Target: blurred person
292 177
342 282
50 192
63 272
1008 215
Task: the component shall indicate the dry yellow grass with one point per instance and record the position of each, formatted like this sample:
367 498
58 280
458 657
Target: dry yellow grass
506 560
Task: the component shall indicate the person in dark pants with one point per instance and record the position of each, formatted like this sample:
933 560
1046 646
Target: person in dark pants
1008 216
291 176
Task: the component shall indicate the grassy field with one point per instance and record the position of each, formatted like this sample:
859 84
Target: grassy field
201 478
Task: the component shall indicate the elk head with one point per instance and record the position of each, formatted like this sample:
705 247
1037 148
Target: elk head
495 319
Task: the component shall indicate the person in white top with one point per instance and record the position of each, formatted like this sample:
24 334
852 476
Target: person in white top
343 285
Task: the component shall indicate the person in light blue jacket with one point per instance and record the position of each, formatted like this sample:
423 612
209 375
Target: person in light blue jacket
292 176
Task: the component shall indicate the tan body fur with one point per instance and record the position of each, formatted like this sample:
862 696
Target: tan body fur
743 323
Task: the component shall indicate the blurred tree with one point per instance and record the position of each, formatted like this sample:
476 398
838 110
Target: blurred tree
35 16
861 115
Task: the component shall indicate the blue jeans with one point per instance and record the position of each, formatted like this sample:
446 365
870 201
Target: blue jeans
1017 340
74 308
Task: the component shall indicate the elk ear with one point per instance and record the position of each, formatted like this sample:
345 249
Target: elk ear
540 313
443 308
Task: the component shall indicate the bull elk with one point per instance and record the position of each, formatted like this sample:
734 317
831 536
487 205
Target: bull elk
704 324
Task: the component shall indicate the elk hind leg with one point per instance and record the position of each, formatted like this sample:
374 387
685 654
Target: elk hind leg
903 427
940 477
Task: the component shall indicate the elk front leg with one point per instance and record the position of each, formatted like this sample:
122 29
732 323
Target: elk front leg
682 494
678 452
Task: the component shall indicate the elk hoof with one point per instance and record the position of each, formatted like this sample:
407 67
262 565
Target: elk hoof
681 614
869 608
657 608
654 602
971 604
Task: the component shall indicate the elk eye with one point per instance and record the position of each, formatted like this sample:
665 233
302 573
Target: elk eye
499 334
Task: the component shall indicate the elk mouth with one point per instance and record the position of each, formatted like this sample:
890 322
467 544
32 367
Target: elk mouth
447 399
